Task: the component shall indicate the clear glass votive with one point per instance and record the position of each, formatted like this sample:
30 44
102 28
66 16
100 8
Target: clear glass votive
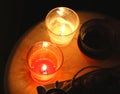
62 24
44 59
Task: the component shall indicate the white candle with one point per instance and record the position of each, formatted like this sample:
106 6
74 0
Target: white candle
61 27
62 23
63 31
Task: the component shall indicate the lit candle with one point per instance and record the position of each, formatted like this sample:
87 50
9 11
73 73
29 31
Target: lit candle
44 60
43 66
61 27
62 24
62 30
44 69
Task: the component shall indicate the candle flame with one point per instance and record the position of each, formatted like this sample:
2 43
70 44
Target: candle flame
45 44
44 67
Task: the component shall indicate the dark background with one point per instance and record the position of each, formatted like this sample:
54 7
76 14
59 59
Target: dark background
19 15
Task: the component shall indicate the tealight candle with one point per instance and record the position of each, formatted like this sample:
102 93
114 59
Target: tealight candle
62 24
44 60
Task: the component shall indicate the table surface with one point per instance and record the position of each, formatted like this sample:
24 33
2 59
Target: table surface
17 77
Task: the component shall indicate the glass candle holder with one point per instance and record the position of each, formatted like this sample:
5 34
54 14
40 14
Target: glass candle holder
44 59
96 38
62 24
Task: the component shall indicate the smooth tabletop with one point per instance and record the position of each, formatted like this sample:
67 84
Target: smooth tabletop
17 77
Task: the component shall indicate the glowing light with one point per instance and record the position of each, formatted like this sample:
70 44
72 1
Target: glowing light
44 68
60 11
45 44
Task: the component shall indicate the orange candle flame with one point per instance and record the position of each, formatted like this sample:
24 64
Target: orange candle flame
44 68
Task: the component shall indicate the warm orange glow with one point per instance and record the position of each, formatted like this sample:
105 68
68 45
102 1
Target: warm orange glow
44 68
45 44
44 60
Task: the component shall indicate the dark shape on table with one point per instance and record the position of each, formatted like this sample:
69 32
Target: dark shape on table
96 38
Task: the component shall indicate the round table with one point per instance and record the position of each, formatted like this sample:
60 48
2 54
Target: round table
17 77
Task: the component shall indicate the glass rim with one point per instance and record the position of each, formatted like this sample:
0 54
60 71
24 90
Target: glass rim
49 30
49 44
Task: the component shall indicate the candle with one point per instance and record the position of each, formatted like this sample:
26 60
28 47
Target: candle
63 29
96 39
62 24
44 60
62 32
43 66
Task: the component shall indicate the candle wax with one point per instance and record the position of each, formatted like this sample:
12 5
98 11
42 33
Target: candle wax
43 66
62 30
61 27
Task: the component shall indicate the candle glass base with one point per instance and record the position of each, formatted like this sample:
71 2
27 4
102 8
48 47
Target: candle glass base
44 60
61 40
62 24
41 78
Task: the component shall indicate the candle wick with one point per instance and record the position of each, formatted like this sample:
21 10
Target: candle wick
44 72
